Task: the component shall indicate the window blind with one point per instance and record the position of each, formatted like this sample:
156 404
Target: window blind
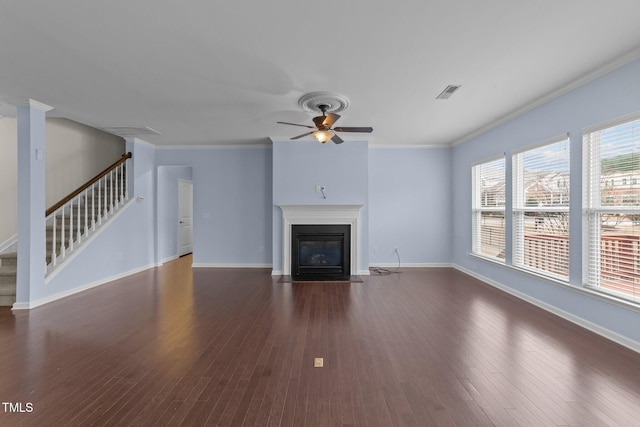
541 208
488 208
612 209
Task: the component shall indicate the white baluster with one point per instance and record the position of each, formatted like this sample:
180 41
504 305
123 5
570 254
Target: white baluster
111 190
93 207
54 250
79 230
86 212
126 179
106 200
122 182
117 201
99 203
70 228
62 233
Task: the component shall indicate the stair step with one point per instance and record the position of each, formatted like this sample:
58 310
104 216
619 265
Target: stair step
8 280
7 300
8 270
9 259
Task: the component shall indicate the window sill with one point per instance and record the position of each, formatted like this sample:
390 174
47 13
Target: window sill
498 261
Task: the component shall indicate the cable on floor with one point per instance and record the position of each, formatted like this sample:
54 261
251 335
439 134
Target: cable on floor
380 271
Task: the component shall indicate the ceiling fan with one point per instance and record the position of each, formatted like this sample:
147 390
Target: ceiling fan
324 130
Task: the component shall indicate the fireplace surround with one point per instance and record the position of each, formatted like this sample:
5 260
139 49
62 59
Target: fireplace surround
318 215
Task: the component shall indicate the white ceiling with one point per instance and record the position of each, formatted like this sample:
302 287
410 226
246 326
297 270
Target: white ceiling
223 72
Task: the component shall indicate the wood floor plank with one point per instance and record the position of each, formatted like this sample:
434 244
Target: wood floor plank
176 346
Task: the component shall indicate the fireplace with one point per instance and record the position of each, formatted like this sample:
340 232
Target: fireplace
293 215
320 251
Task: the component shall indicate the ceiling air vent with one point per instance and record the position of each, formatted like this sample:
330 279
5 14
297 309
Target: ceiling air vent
125 131
448 91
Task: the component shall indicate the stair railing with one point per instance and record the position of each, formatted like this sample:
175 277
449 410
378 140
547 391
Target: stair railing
75 217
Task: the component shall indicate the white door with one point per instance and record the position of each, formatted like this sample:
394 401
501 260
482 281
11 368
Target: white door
185 217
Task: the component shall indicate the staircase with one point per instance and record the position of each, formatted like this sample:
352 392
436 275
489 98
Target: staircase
8 271
70 223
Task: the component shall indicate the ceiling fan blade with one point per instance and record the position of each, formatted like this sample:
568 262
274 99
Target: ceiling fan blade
296 124
337 139
330 119
365 129
302 136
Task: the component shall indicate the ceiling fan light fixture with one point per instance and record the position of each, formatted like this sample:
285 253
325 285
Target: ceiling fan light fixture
322 135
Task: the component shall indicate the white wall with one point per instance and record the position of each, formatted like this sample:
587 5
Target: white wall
74 154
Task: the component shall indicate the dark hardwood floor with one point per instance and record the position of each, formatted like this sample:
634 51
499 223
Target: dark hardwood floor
425 347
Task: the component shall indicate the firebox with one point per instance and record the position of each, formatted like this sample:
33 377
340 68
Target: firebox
320 251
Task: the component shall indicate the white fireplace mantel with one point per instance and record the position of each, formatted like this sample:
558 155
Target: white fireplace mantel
320 214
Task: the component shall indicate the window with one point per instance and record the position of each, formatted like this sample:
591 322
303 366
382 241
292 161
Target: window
612 226
488 209
541 208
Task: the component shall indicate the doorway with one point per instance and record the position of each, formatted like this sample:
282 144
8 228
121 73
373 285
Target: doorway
185 217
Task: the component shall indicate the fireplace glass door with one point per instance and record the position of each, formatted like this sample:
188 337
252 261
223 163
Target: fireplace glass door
320 252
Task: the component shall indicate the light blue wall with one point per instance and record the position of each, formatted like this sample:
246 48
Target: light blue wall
231 203
31 201
167 234
298 166
410 206
608 97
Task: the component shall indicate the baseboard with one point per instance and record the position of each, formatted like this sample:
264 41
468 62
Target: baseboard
11 244
33 304
411 265
228 265
604 332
